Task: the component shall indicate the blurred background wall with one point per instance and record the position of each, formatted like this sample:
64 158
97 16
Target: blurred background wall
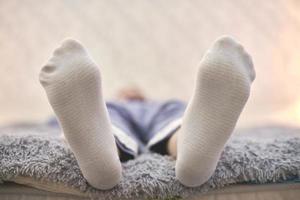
155 45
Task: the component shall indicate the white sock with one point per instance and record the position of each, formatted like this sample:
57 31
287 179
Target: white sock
222 89
73 85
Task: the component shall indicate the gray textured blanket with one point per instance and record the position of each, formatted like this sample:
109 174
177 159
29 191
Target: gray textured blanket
261 155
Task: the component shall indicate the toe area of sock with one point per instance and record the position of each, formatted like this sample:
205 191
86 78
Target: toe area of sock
71 44
46 73
227 47
68 46
226 41
250 68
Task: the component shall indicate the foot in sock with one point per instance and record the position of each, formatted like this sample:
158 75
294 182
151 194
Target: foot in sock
222 89
73 85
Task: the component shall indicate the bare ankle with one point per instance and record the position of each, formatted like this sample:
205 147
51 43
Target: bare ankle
172 145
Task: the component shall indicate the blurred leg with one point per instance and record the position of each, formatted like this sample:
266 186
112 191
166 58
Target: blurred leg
172 145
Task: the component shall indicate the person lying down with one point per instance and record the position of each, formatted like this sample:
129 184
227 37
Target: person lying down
102 135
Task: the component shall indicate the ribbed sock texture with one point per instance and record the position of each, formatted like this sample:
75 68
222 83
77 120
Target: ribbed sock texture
222 89
73 85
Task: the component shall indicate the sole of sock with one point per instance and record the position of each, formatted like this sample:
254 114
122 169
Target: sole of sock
72 83
222 89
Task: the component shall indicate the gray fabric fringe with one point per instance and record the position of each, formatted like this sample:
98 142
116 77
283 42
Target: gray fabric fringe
262 155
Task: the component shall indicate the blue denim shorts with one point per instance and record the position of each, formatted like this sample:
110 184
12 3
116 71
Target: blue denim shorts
142 126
